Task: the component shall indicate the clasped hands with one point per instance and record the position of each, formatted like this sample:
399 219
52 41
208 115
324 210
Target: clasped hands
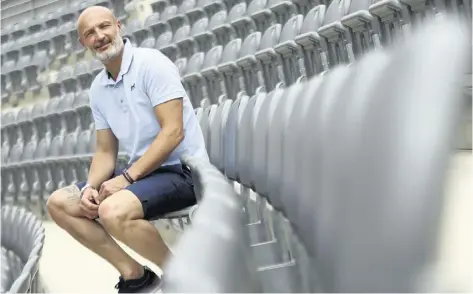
92 198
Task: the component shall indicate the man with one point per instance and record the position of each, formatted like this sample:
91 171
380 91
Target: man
137 101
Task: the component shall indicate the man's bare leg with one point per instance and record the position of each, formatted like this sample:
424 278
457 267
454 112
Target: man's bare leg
63 206
122 216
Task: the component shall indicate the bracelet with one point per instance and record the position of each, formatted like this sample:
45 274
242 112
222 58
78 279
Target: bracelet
128 177
84 188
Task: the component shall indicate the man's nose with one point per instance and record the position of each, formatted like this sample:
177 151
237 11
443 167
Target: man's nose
100 35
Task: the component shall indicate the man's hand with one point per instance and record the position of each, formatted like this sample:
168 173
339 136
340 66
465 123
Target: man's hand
111 186
88 205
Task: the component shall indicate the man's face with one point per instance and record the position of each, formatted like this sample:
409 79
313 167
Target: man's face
100 33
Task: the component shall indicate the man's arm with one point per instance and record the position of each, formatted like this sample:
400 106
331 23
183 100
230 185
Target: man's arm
170 117
105 157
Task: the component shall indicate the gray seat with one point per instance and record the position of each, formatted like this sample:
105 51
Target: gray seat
24 235
268 57
96 66
383 165
423 11
58 43
179 47
149 42
135 32
204 36
165 41
168 15
38 63
289 52
83 74
217 125
364 28
220 26
181 65
190 44
155 25
249 65
315 59
159 5
67 79
231 269
205 8
192 79
336 34
229 69
394 19
212 83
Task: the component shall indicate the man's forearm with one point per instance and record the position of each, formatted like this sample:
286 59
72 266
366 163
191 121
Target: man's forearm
157 153
101 169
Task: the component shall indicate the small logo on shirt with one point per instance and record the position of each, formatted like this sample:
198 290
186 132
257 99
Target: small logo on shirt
132 87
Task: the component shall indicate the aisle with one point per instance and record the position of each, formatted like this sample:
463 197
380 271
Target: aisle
67 267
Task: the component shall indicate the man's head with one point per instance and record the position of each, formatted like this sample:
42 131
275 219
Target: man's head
99 31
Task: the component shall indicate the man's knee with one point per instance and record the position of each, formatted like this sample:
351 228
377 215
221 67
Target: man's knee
62 199
118 209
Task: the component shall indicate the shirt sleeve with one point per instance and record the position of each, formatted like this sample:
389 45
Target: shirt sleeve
162 81
99 119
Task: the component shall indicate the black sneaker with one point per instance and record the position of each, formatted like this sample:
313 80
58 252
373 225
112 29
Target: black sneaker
148 283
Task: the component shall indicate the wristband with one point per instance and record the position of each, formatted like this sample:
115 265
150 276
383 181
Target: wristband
128 177
84 188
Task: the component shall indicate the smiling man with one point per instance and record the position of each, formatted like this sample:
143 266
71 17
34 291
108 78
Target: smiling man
137 101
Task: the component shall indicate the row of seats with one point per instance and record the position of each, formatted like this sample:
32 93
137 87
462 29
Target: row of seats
340 178
22 244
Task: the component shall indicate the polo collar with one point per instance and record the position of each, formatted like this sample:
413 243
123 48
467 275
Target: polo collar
127 58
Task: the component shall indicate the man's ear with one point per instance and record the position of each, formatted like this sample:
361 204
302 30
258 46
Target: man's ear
80 41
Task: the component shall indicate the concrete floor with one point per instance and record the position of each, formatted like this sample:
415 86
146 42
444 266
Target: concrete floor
66 266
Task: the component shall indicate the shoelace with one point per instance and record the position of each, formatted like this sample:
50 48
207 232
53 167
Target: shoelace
120 283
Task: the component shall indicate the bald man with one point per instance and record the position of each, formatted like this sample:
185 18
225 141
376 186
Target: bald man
137 101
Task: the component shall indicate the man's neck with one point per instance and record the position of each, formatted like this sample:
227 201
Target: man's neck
114 66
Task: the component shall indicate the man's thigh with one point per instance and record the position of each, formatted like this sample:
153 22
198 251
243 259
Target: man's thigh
166 190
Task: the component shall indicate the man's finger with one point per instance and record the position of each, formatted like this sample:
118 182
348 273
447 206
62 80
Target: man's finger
89 205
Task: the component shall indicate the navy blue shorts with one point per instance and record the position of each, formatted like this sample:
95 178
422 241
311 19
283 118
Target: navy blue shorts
167 189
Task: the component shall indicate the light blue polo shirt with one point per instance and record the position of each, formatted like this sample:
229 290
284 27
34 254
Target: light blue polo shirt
147 78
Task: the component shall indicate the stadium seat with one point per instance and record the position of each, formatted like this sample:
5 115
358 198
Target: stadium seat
205 8
211 79
335 34
229 70
181 65
248 64
290 55
172 50
267 57
190 44
165 41
192 79
221 28
215 275
149 42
